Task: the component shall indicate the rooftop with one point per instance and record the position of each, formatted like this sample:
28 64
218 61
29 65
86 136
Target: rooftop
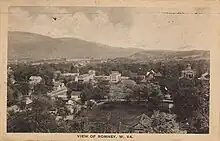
35 77
143 119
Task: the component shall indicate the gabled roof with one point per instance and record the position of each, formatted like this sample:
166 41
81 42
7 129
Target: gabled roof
158 74
143 81
35 77
114 72
143 119
150 72
69 117
13 108
204 76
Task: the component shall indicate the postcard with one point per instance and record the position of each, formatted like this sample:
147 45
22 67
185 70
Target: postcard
107 70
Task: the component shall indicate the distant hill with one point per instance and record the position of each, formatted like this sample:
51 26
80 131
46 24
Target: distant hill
159 55
31 46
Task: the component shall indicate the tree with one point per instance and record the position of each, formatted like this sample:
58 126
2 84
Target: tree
36 120
199 122
40 89
155 95
22 87
137 92
165 123
86 95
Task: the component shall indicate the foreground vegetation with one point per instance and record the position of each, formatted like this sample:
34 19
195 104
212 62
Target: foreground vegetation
190 114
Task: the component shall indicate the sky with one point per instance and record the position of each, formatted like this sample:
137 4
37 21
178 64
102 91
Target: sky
147 28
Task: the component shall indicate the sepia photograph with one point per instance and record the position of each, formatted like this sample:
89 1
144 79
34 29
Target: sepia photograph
81 69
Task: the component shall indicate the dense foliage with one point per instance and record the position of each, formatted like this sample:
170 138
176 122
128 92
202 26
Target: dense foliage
191 106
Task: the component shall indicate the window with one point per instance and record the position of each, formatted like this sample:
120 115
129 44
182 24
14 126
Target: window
190 75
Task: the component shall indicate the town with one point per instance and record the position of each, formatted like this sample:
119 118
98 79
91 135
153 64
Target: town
108 97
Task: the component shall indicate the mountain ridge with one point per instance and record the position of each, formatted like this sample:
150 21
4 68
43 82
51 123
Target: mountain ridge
32 46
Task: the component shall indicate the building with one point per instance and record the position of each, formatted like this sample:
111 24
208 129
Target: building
34 80
85 77
188 73
26 103
9 70
69 75
75 95
124 78
186 81
140 124
68 118
11 77
150 75
13 108
167 103
102 78
140 79
115 77
88 76
59 89
158 76
69 105
204 77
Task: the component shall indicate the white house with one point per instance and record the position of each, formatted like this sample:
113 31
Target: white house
13 108
204 76
59 90
88 76
34 80
188 73
115 77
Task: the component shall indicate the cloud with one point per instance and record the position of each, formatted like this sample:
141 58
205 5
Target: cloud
147 29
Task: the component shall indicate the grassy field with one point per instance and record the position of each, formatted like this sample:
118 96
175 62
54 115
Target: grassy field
114 113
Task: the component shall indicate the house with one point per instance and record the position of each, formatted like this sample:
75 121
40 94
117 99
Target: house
57 85
102 78
59 89
150 75
34 80
69 106
158 76
72 76
115 77
12 79
188 73
204 77
140 78
53 111
88 76
63 97
69 74
140 124
9 70
13 108
186 80
167 103
59 118
70 102
69 117
56 74
124 78
26 102
75 95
